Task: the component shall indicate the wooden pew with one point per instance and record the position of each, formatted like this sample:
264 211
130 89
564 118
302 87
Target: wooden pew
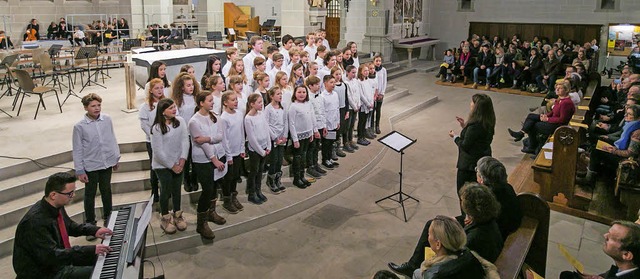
529 243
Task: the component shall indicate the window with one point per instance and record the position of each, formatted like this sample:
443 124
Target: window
333 9
465 6
608 6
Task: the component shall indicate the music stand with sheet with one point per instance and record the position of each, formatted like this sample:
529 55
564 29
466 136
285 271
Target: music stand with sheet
88 53
127 44
214 36
398 142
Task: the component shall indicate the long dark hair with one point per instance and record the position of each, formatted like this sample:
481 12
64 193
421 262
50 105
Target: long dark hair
153 73
161 120
201 97
483 112
208 72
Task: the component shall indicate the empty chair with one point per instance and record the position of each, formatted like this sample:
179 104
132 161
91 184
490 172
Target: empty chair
27 87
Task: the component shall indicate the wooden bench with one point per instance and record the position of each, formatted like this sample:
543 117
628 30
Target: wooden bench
528 244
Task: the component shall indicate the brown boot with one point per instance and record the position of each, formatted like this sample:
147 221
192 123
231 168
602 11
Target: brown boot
212 216
464 82
236 202
166 224
229 206
202 227
181 223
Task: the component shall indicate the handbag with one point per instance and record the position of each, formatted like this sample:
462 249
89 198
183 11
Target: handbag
628 174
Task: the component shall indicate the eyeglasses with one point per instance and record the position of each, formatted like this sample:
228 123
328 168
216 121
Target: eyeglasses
68 194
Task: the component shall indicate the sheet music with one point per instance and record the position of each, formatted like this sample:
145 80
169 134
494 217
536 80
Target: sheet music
145 218
217 174
396 141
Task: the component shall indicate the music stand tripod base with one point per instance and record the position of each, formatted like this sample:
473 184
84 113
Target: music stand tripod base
398 142
88 53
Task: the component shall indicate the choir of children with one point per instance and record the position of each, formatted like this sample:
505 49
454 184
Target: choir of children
298 102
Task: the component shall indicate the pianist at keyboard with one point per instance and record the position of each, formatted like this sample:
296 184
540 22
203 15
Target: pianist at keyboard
41 249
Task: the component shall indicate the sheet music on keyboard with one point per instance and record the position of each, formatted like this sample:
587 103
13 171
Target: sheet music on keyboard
144 220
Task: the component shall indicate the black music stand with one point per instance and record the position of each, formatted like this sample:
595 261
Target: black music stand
88 53
214 36
398 142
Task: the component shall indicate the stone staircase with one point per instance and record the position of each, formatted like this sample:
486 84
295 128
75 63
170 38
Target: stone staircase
21 185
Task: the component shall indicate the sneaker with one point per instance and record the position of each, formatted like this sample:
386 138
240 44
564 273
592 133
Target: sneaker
353 145
334 163
363 142
327 164
253 198
340 153
180 222
166 224
474 86
347 148
311 180
313 172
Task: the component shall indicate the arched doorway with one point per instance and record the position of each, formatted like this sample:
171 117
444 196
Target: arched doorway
333 23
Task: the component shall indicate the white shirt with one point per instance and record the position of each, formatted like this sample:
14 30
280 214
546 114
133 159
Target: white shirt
147 116
381 76
287 94
301 121
233 129
277 120
166 91
326 44
188 107
341 90
257 133
227 67
269 64
217 104
311 49
318 110
331 104
366 98
248 62
355 90
94 144
202 126
285 53
169 148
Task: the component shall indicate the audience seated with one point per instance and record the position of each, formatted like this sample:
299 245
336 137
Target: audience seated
5 41
548 71
485 62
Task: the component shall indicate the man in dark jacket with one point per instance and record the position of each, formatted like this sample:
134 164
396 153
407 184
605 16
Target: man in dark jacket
493 174
622 244
486 60
42 249
548 72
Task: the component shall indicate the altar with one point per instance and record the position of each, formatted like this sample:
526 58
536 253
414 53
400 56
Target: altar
175 59
417 42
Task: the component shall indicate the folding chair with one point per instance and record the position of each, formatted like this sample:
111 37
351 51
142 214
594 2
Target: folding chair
28 87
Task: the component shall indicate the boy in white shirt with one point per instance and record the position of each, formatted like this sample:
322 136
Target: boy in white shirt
287 43
256 51
270 51
331 106
313 169
278 61
231 53
311 45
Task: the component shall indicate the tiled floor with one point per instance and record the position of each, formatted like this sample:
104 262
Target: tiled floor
347 236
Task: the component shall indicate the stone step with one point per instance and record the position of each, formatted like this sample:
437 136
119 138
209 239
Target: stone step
400 73
395 94
33 182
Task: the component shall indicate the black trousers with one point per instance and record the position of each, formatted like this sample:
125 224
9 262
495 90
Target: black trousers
230 180
97 179
311 152
275 158
375 117
254 175
300 154
327 147
342 132
533 126
204 172
600 160
362 123
169 189
418 253
464 176
152 174
189 176
350 125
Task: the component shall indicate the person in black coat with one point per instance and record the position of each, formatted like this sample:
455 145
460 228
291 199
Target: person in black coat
622 244
474 142
531 70
486 61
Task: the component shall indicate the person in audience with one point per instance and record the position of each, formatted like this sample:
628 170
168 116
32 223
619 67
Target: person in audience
474 48
562 58
465 65
634 59
384 274
52 31
545 124
447 63
5 41
170 143
451 258
32 32
95 156
628 145
622 245
79 37
302 131
277 120
548 71
485 62
474 142
41 248
208 160
530 71
611 131
500 67
582 58
123 28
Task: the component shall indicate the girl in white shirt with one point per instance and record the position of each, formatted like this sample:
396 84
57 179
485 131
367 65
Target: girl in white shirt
147 114
278 130
354 53
296 75
281 82
381 76
158 69
208 156
259 145
236 86
184 88
373 82
353 102
366 103
262 80
301 128
232 122
238 69
217 86
170 141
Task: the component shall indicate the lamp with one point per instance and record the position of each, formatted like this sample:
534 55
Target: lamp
374 2
346 5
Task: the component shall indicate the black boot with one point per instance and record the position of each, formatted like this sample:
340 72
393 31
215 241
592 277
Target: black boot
378 129
187 183
517 136
404 269
279 183
252 196
297 164
589 181
258 189
271 182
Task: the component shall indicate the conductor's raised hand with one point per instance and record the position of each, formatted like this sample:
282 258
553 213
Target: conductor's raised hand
460 120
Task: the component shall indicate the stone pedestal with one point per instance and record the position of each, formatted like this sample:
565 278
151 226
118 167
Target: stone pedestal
375 39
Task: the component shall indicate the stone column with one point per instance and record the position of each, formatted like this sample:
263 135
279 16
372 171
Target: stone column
295 17
210 15
353 23
375 39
